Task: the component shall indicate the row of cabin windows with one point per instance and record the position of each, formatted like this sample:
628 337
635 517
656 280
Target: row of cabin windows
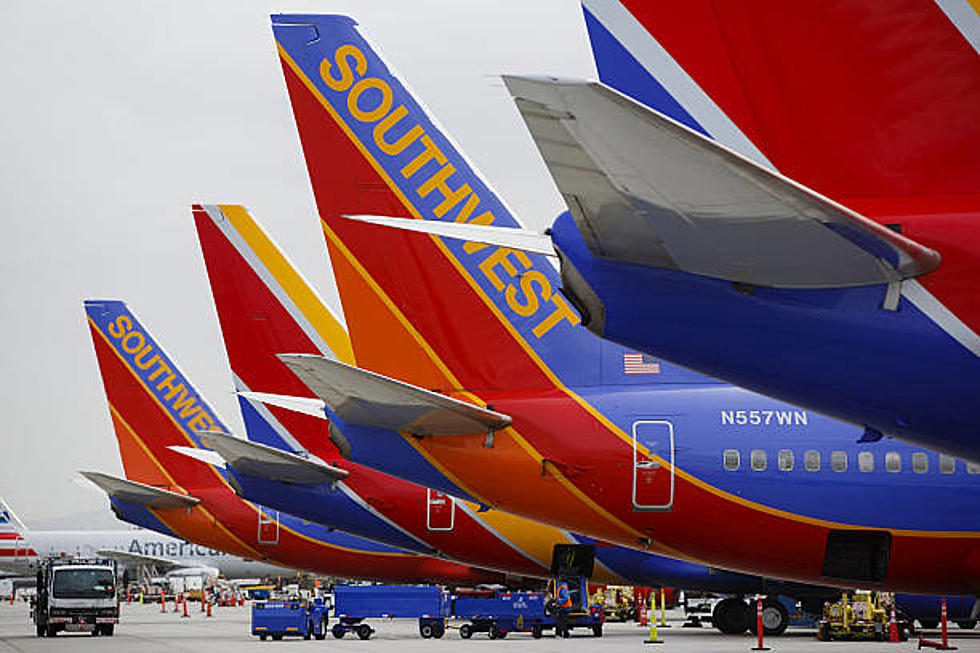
786 461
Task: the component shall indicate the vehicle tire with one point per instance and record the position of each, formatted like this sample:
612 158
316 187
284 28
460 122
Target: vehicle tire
597 630
364 631
928 624
466 631
566 632
51 630
775 618
309 630
108 630
426 630
277 638
730 616
323 630
438 631
536 632
967 624
262 638
501 634
338 631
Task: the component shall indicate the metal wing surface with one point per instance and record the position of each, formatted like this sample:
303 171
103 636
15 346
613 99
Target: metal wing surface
364 398
644 189
268 462
140 493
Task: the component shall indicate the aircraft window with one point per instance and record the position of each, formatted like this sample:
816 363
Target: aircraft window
811 461
920 463
893 462
866 461
838 461
758 460
731 459
947 464
785 460
972 468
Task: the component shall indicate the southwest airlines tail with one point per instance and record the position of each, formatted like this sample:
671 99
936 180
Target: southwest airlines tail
441 314
871 105
152 405
265 308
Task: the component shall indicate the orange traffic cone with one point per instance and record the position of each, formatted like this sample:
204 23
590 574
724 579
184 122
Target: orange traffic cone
892 627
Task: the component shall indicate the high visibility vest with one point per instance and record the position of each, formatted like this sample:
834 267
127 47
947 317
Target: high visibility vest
563 598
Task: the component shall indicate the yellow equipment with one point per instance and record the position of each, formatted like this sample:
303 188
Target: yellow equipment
861 616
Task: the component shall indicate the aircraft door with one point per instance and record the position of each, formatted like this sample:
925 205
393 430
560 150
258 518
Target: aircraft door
653 465
440 511
269 528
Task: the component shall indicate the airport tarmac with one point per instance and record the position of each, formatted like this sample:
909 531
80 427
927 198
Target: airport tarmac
146 630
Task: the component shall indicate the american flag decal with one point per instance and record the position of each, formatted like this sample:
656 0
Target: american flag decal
640 364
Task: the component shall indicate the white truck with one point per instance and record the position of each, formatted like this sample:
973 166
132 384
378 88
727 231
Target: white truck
76 595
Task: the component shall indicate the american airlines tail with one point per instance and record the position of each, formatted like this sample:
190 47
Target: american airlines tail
439 313
14 540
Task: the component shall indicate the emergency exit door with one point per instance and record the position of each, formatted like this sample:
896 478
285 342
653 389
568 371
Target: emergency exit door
653 465
440 511
269 527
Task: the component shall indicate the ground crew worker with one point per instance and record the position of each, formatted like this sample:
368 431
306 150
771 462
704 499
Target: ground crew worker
563 605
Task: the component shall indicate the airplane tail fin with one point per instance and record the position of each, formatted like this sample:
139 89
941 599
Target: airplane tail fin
13 533
153 406
442 314
802 89
265 308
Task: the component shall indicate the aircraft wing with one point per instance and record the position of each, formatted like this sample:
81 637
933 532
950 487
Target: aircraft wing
364 398
644 189
128 558
268 462
140 493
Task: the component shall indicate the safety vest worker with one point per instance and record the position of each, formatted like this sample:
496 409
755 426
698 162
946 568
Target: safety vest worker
563 598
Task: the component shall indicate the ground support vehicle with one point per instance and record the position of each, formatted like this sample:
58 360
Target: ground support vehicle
77 595
861 616
278 619
500 613
355 603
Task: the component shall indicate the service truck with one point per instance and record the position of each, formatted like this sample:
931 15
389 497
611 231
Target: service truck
76 595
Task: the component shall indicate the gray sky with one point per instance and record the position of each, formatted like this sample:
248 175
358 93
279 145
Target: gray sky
116 116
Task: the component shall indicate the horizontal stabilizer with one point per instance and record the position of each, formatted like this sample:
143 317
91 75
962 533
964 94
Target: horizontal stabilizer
204 455
140 493
305 405
646 190
261 460
510 238
364 398
133 559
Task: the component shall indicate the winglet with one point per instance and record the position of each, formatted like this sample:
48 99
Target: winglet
268 462
140 493
364 398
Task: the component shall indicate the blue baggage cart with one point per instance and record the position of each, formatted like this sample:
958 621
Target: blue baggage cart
500 613
278 619
355 603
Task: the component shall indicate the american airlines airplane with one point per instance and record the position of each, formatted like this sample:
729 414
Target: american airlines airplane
21 549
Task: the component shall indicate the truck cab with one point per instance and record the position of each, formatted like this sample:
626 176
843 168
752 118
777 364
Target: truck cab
76 595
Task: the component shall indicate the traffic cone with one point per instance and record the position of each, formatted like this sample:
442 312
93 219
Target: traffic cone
663 609
758 624
163 602
185 615
654 638
209 608
892 627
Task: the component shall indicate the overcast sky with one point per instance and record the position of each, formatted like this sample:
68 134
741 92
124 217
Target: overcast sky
116 116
